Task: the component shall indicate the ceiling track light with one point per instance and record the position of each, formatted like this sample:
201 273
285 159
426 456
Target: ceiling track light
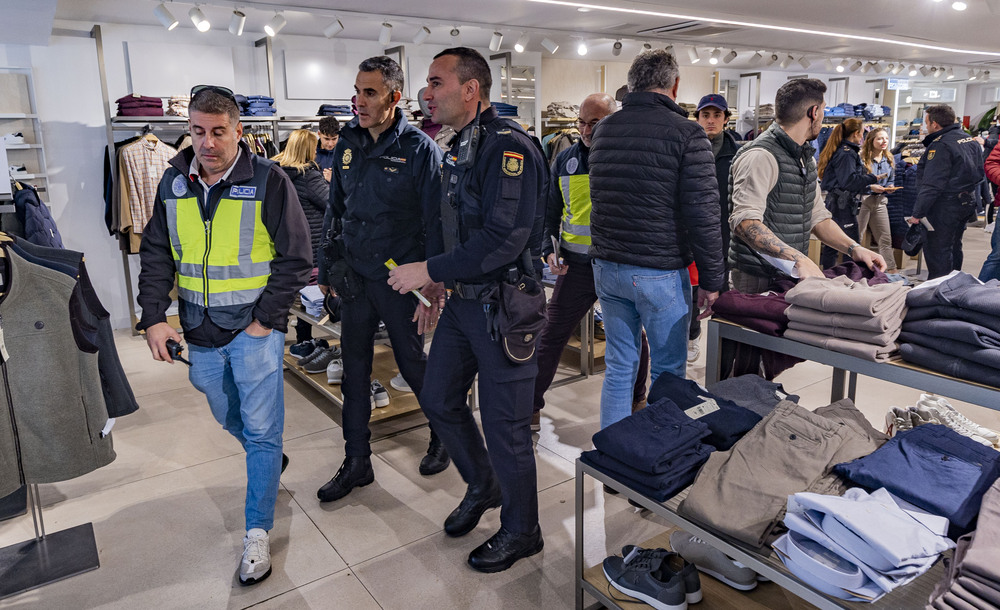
199 20
581 48
912 71
856 66
756 59
805 63
950 74
730 57
843 65
385 34
164 17
828 64
550 46
616 48
693 55
333 29
522 43
272 27
878 67
236 23
899 68
496 41
646 46
986 75
787 61
714 57
669 49
973 75
773 57
422 35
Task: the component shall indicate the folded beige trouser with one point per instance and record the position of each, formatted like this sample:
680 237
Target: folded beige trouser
743 492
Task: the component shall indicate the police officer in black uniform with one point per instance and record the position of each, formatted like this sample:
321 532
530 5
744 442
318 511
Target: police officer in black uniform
493 178
948 175
385 188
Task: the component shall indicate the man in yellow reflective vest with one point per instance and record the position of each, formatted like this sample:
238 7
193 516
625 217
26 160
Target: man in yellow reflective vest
227 226
567 220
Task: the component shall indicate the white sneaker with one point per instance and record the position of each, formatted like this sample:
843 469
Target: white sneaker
897 420
380 396
949 419
943 405
256 563
335 371
398 383
13 138
694 351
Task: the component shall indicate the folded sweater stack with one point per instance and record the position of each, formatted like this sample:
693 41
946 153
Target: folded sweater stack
847 316
139 105
177 105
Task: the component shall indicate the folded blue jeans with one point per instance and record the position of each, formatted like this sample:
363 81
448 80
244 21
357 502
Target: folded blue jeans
649 439
933 467
728 423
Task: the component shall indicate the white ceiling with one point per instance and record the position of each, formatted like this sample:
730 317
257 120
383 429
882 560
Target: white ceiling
909 21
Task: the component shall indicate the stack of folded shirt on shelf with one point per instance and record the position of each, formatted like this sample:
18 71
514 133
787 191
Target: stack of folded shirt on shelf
845 316
177 105
952 326
932 467
791 450
312 300
260 105
334 110
139 105
656 451
727 421
859 546
562 110
973 578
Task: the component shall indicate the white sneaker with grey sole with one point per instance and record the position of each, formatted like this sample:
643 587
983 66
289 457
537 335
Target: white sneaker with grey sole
255 565
712 561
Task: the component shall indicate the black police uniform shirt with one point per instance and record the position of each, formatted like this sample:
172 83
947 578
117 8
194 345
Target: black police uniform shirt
389 191
951 163
504 187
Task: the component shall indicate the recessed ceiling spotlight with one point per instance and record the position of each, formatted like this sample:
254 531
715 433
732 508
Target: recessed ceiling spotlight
522 43
164 17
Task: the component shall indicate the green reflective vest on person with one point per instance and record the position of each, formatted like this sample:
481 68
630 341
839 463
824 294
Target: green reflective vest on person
223 262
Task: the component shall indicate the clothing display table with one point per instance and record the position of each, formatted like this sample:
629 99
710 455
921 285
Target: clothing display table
764 561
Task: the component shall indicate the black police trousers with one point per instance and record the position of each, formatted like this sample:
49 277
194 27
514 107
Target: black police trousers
359 323
461 348
943 248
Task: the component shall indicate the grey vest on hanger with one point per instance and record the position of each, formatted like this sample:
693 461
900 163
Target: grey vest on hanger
788 213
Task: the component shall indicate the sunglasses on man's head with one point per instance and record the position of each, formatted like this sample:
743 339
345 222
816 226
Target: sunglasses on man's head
214 88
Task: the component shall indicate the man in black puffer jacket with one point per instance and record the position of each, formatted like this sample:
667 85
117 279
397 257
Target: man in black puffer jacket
655 209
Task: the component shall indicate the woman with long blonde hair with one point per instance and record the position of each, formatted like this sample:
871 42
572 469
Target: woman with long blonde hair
873 213
298 159
845 180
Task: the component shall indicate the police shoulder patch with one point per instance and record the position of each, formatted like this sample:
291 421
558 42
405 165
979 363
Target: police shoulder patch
179 186
930 154
512 163
346 158
572 165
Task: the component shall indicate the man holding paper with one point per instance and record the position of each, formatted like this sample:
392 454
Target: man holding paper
776 198
384 191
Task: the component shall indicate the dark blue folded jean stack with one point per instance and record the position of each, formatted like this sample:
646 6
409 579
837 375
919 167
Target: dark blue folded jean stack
656 451
256 105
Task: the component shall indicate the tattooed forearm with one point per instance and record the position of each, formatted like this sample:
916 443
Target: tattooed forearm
761 239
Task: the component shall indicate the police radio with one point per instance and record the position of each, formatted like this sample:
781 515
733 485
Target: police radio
469 143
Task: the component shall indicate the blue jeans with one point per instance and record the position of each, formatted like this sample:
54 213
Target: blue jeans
991 267
633 298
244 385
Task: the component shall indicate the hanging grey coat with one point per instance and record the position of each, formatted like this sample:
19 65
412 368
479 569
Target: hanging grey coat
52 410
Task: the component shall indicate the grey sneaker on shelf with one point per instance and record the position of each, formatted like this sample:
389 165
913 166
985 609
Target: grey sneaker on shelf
335 371
648 579
319 363
400 384
712 561
380 396
673 562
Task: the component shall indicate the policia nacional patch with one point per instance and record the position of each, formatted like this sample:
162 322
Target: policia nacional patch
930 154
512 163
346 159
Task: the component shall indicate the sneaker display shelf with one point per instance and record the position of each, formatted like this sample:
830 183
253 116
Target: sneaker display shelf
19 115
383 368
763 561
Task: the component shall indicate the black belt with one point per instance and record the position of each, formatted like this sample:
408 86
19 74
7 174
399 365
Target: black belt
469 291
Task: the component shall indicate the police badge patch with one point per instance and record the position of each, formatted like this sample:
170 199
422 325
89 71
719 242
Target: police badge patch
930 154
179 186
512 163
346 159
572 165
